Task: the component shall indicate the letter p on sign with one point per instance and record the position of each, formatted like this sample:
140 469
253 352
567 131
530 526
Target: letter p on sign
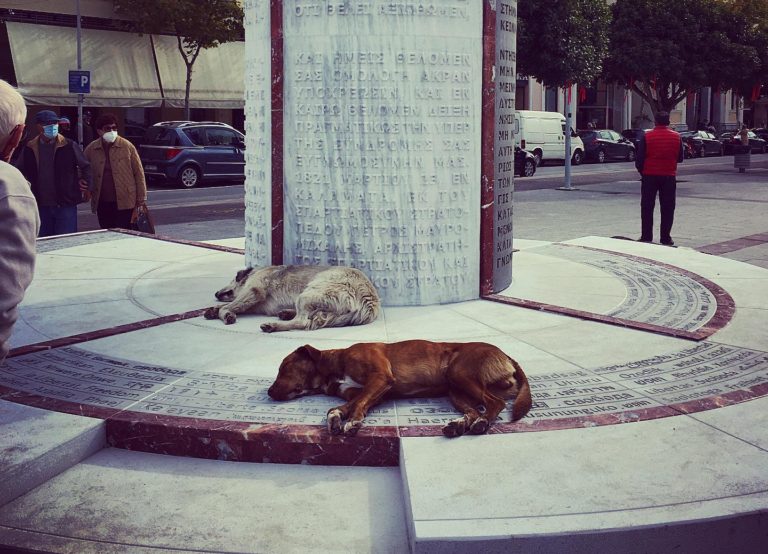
79 82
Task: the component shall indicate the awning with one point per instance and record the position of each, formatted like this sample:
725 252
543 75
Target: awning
217 75
121 65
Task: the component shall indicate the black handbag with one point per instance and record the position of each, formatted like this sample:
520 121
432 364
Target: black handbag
142 220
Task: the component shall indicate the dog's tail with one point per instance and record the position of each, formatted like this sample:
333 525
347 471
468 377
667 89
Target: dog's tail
523 402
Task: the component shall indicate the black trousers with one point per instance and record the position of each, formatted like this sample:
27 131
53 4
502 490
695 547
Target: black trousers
112 218
665 187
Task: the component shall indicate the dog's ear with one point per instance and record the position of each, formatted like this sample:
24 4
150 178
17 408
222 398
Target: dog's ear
243 274
311 352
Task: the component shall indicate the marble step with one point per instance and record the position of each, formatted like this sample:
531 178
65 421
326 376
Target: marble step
36 445
123 501
676 484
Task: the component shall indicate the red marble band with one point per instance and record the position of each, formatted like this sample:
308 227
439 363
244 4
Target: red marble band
740 243
723 314
102 333
164 238
276 22
311 444
487 170
610 320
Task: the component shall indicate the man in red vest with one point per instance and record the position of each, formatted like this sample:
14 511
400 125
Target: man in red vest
658 154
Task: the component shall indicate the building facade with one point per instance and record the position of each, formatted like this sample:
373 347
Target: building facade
140 78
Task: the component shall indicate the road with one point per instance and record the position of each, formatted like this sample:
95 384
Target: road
715 204
551 176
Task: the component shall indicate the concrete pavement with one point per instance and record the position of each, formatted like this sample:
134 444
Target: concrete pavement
714 205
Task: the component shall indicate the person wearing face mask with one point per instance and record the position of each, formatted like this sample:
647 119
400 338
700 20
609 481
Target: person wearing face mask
18 214
58 173
119 186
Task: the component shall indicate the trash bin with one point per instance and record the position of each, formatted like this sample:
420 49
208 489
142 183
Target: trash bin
741 157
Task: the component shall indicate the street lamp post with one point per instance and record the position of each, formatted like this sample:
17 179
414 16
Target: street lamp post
80 97
567 132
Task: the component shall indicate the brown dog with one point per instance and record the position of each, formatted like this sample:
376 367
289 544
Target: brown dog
475 375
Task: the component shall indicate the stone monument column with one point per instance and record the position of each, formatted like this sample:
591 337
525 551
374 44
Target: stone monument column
379 136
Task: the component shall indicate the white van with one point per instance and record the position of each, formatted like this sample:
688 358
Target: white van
543 135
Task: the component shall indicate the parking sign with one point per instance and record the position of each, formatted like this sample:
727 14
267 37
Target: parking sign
79 82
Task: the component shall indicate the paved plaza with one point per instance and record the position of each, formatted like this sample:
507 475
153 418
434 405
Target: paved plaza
131 424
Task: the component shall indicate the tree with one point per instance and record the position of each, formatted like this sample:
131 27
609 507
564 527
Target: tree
665 49
750 27
196 24
562 42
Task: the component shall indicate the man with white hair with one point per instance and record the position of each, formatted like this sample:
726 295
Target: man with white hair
18 216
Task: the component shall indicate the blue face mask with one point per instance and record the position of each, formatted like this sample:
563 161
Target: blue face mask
50 131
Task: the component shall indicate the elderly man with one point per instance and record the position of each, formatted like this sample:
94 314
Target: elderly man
18 213
59 174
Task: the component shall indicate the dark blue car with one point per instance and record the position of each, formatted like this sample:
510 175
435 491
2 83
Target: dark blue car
190 152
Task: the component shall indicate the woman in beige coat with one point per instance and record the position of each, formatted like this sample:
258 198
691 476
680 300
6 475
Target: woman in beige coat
118 186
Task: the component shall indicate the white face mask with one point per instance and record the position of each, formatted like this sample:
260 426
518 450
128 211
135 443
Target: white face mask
110 136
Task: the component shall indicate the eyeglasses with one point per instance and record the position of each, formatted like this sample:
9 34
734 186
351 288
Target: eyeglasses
109 128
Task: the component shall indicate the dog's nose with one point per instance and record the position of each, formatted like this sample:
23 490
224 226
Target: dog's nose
271 392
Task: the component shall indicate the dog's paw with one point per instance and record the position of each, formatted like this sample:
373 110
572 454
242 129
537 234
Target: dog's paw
286 315
211 313
480 426
268 327
334 419
455 427
228 318
352 427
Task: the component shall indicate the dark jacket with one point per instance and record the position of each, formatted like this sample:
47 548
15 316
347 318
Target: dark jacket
659 151
70 165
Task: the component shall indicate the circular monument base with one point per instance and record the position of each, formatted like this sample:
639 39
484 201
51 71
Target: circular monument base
648 369
606 337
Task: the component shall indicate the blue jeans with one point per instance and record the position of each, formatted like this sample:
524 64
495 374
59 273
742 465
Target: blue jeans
57 220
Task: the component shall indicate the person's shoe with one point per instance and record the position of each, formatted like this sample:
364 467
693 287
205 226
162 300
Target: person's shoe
645 239
668 242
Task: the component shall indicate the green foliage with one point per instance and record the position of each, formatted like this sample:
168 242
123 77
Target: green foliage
197 24
665 49
562 41
750 25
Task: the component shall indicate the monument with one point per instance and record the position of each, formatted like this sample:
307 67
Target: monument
379 136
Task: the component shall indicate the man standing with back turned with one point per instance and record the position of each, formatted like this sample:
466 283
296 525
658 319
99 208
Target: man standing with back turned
658 154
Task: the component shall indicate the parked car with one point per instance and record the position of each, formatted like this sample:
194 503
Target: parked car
190 152
525 162
602 145
702 143
543 134
134 133
730 139
761 133
634 135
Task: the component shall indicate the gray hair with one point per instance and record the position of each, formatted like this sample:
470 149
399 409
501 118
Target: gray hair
13 110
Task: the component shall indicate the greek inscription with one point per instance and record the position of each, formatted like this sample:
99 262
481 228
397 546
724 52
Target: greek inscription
397 117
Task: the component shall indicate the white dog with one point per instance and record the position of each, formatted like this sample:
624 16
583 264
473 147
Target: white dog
303 296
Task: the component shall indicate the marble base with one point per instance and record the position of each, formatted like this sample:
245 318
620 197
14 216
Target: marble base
178 384
638 441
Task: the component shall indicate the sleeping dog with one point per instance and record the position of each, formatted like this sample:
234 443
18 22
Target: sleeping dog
303 296
477 377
